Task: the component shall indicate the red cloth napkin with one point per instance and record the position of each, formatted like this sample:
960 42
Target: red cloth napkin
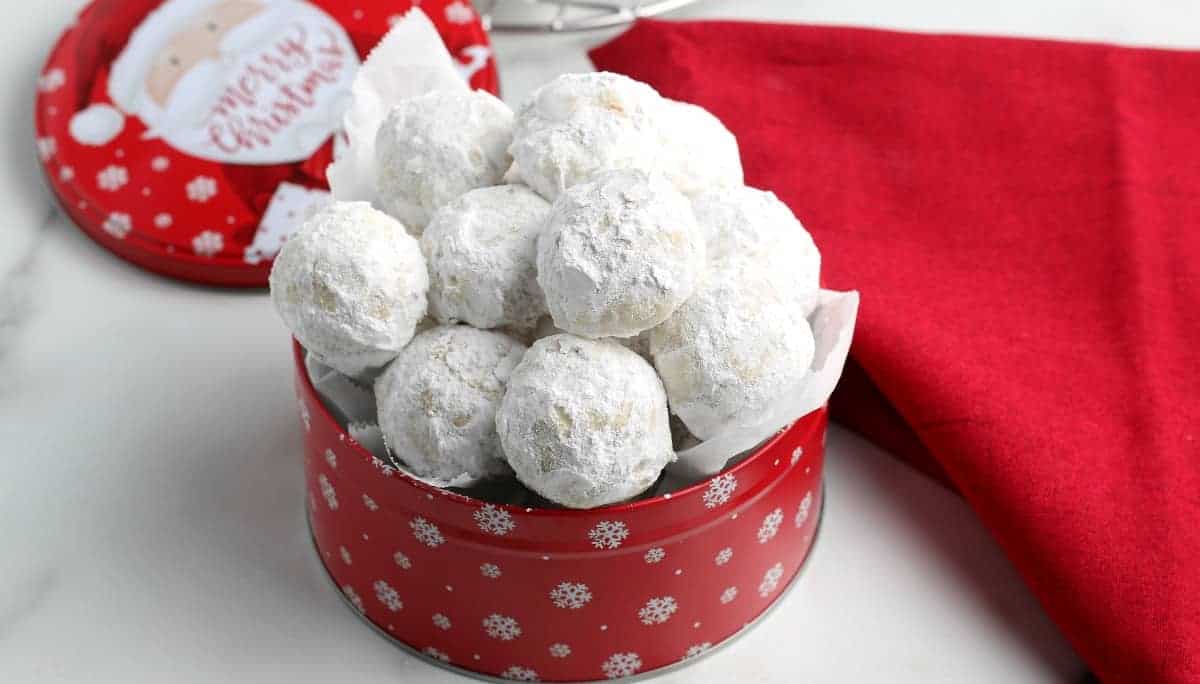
1023 220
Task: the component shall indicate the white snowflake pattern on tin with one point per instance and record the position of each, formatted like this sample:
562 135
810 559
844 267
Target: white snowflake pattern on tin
331 458
770 526
459 12
345 553
305 416
621 665
571 595
560 650
46 146
501 627
698 649
208 243
66 173
402 560
435 654
112 178
517 673
353 597
52 80
386 469
163 220
655 555
426 532
797 453
327 492
388 596
118 225
490 570
441 621
494 520
608 534
160 164
729 595
720 489
201 189
370 503
802 512
658 610
770 580
723 556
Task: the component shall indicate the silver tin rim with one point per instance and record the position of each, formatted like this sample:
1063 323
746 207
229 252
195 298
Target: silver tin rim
641 676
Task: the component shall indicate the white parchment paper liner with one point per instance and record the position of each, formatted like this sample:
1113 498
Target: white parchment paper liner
833 327
410 60
348 400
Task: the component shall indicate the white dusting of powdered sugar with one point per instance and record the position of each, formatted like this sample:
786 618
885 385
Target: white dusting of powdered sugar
351 286
618 255
438 400
432 148
755 224
732 349
584 422
482 253
699 153
580 124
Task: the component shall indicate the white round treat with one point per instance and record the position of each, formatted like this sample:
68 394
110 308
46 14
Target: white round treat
438 400
638 344
581 124
618 255
482 253
755 224
700 153
584 422
351 286
731 350
432 148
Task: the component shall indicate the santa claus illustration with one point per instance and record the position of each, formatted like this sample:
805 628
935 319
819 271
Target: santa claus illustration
241 81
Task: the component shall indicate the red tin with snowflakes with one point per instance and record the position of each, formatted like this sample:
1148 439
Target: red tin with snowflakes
188 136
560 595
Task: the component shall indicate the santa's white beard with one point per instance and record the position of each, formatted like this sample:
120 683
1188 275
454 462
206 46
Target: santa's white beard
213 96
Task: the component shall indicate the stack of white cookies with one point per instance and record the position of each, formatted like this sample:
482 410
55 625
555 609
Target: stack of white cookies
535 294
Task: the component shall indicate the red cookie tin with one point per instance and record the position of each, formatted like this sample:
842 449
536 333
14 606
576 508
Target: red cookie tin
530 594
189 136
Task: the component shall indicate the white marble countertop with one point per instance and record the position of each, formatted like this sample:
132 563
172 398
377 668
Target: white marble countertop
150 486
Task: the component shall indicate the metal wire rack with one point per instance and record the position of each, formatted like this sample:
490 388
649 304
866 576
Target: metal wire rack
560 16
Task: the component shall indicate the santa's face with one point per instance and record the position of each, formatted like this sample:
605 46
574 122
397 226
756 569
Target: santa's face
198 42
242 81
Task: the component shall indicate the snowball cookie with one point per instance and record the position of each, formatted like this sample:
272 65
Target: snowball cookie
618 255
482 253
438 399
580 124
584 422
699 152
732 349
432 148
754 223
351 286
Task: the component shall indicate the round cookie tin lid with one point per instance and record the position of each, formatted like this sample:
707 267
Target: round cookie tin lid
188 136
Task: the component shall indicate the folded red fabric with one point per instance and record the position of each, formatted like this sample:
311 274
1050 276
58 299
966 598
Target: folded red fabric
1023 220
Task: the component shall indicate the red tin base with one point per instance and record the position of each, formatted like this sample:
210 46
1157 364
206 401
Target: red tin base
561 595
